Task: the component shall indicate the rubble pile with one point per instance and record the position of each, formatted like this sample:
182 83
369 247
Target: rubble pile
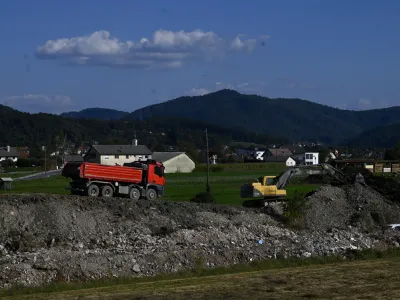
340 207
45 238
386 186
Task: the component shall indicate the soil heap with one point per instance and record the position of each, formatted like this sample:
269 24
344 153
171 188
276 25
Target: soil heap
357 205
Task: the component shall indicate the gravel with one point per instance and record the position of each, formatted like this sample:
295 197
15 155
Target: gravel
44 238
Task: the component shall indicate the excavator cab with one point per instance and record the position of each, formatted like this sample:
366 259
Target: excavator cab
265 189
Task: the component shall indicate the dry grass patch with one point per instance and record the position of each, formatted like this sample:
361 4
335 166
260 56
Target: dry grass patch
377 279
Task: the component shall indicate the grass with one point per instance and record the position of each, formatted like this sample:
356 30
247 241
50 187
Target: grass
225 186
19 172
367 274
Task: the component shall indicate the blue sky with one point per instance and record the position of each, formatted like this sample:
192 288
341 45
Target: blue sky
64 55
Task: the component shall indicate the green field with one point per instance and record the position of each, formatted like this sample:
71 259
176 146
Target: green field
225 185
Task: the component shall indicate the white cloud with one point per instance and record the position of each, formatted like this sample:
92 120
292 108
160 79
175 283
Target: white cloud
244 87
36 103
166 49
364 102
197 92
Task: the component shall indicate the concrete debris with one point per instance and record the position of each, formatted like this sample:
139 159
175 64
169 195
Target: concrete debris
339 207
46 238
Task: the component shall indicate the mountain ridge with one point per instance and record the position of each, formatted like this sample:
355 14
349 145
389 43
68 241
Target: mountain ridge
96 113
294 118
36 130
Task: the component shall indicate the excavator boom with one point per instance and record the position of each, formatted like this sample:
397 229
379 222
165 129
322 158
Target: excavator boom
283 179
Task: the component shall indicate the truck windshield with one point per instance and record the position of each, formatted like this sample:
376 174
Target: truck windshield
158 171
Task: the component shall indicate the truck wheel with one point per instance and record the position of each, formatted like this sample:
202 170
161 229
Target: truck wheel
93 190
134 194
151 194
107 191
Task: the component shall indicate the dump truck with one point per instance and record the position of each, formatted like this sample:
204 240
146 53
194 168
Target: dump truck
140 179
272 188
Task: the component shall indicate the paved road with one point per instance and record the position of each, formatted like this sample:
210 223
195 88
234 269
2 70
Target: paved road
40 175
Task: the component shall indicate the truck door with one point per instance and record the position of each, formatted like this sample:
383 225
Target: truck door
156 175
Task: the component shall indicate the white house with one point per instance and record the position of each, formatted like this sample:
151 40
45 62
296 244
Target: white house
10 153
307 158
175 162
290 162
117 154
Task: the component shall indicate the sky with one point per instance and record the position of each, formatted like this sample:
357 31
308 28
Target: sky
59 56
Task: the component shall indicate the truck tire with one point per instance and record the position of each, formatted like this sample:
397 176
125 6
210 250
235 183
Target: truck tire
93 190
151 194
134 193
107 191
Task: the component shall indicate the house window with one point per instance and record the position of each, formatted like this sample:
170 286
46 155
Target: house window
116 156
127 156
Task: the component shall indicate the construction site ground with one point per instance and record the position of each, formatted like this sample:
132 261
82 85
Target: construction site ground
47 238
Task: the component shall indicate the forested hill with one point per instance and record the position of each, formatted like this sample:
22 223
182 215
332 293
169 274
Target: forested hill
292 118
384 136
36 130
96 113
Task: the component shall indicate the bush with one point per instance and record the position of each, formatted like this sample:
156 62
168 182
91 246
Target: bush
29 162
293 207
8 163
203 197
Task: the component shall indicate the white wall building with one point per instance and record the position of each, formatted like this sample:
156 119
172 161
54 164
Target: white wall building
290 162
117 154
307 158
10 153
175 162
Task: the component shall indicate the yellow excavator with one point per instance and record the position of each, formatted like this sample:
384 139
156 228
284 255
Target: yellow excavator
272 188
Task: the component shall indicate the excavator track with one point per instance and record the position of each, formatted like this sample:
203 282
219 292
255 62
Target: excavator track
263 202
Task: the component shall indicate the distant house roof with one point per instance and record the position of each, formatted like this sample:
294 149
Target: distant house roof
280 152
6 179
73 158
276 158
165 156
13 152
298 161
122 149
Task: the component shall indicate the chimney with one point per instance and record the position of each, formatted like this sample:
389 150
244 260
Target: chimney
8 148
134 142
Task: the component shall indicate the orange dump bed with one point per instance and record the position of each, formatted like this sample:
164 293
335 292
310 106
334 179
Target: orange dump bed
95 171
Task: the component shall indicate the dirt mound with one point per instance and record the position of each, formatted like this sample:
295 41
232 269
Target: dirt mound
356 205
44 238
386 186
351 171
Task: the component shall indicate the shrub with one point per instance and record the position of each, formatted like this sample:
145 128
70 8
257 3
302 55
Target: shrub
293 207
203 197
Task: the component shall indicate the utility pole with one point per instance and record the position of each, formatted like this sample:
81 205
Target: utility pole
45 161
208 164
